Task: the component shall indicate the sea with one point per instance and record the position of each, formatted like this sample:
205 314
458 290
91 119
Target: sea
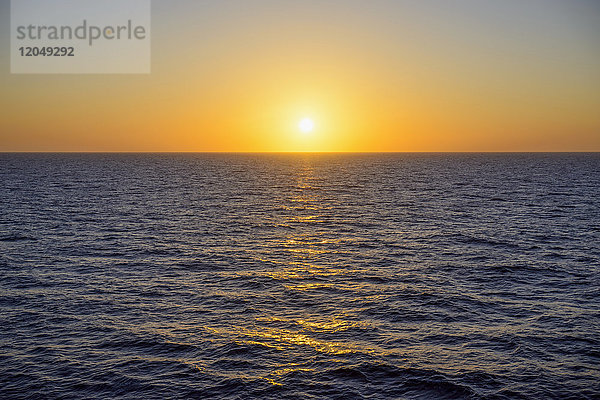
300 276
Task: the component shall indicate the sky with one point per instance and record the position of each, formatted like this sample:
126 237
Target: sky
372 76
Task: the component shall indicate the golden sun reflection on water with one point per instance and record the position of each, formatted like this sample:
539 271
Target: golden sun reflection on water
287 339
298 268
298 262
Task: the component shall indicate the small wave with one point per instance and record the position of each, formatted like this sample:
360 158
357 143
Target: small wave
395 381
155 346
468 239
15 238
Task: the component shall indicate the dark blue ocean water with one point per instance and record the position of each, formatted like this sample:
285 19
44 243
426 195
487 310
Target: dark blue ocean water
400 276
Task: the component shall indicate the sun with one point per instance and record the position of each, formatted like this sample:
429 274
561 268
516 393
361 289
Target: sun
306 125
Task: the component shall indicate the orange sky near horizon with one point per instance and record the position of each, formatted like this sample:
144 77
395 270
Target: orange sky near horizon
373 76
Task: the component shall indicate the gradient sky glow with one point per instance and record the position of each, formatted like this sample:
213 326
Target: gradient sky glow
380 75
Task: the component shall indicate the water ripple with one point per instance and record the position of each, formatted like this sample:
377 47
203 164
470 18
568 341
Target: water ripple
300 276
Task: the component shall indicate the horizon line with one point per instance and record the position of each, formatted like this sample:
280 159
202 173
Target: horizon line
302 152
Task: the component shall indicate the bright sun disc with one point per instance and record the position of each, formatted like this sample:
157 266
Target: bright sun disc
306 125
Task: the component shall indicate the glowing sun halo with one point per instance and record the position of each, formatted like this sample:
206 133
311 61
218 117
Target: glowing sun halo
306 125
